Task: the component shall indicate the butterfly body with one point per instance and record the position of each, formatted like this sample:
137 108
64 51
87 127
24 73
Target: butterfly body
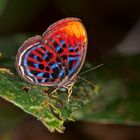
56 57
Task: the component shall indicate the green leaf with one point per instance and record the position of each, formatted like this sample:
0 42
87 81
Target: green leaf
54 110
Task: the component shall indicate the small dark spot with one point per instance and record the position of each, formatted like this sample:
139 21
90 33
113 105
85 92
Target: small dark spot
51 39
31 55
34 72
64 57
47 59
26 88
71 65
57 59
66 72
60 51
30 63
71 50
47 69
54 76
39 59
41 66
60 66
73 55
63 75
42 54
50 55
43 48
51 63
47 80
46 75
39 80
56 70
55 44
76 50
64 46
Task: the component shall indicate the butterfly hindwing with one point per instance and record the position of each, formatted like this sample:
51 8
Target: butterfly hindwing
39 63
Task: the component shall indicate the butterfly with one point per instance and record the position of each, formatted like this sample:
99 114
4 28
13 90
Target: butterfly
56 57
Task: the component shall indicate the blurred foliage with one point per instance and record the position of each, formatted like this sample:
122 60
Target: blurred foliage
3 4
114 100
119 100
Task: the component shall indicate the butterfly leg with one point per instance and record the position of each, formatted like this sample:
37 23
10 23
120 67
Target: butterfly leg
54 91
70 89
69 93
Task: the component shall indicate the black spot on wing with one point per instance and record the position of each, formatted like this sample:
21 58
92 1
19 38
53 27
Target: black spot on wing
76 50
64 46
46 75
41 66
39 59
55 44
73 55
60 51
56 70
71 64
54 75
43 48
42 54
31 55
34 72
47 59
71 50
30 63
51 63
50 55
64 57
58 59
47 69
46 80
39 80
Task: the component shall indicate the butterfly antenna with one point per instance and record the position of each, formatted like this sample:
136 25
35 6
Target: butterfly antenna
91 69
87 81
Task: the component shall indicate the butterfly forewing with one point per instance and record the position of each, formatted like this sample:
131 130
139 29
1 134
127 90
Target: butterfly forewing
68 38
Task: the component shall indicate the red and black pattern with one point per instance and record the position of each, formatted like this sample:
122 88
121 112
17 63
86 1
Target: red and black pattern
55 58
